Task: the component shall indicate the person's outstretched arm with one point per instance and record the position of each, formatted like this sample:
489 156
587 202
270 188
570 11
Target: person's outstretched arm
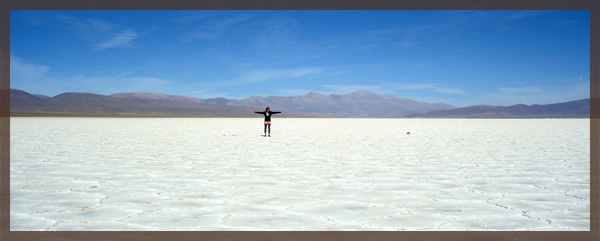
257 112
275 112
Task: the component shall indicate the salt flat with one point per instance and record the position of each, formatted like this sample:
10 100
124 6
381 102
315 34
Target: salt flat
312 174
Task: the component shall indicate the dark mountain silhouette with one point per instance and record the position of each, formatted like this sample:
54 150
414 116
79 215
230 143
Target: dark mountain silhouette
571 109
23 100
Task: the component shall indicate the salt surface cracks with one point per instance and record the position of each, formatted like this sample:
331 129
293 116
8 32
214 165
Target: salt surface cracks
312 174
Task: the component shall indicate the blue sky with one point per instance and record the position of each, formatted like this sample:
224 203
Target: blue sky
457 57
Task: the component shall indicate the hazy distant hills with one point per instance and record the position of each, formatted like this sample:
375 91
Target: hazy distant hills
358 104
24 103
155 96
571 109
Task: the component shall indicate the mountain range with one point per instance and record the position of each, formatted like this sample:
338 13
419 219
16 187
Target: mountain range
358 104
571 109
23 103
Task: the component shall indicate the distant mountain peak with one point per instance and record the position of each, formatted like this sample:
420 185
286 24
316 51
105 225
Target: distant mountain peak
312 93
363 93
19 94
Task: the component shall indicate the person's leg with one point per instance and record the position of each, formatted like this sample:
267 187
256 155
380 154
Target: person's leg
269 129
266 129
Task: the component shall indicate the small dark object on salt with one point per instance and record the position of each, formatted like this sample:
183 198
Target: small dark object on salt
408 133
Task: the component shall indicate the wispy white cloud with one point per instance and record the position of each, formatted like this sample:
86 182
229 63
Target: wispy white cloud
416 32
103 34
269 74
505 20
520 90
211 28
449 90
110 84
295 92
535 94
577 79
569 22
394 89
401 37
87 24
39 79
21 70
121 39
188 17
276 37
428 87
91 30
347 89
256 76
518 15
34 78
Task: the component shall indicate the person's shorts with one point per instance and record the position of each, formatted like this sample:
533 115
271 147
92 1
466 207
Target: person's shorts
267 122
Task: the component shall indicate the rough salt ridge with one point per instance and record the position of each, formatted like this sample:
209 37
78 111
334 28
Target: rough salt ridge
312 174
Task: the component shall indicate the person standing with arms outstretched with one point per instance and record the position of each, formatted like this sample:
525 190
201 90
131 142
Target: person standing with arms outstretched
267 113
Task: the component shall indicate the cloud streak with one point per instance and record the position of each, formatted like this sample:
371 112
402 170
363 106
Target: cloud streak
520 90
34 78
389 88
407 44
110 84
21 70
347 89
447 24
103 34
213 29
535 94
282 74
118 40
90 30
39 79
257 76
428 87
523 14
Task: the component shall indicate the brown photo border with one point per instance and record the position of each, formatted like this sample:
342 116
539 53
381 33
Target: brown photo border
6 5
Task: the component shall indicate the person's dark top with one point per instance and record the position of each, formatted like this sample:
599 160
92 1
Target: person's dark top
268 117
